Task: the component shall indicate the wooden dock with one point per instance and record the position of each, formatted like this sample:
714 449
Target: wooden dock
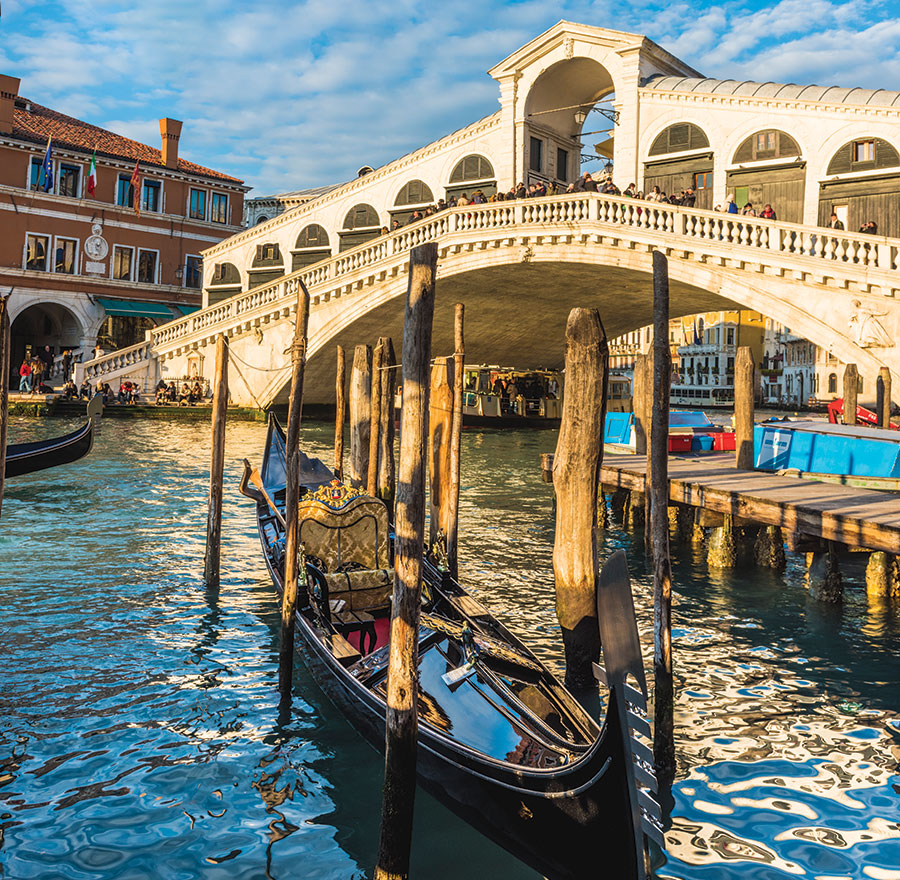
859 518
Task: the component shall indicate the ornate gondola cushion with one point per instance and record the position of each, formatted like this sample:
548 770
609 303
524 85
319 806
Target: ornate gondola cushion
362 590
342 528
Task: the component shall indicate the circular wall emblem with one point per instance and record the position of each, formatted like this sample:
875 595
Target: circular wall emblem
97 228
96 247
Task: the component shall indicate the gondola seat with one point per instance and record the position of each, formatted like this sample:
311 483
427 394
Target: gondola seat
344 534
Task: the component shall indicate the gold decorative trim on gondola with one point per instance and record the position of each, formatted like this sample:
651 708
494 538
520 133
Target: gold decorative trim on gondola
334 495
485 644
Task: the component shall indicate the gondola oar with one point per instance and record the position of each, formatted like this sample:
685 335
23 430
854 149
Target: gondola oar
252 474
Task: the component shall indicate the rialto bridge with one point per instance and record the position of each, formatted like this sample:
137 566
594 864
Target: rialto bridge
521 265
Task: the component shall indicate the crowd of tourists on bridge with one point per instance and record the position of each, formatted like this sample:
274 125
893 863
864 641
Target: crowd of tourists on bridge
585 183
686 198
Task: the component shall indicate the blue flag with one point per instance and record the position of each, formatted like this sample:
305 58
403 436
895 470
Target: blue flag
47 168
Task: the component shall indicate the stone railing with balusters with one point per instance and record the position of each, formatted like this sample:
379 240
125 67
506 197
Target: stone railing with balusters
77 357
116 361
822 252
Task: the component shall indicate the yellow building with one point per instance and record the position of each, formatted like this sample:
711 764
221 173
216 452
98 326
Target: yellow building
704 373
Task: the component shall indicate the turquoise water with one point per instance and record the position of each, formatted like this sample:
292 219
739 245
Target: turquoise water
140 734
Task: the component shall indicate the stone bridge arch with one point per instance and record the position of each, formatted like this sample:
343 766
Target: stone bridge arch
517 304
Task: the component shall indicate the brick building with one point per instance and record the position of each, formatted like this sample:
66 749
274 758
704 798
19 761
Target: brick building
86 269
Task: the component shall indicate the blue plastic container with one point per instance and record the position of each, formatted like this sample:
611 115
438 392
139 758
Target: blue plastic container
702 443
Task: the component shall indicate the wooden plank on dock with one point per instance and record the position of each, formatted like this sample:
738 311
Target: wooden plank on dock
853 516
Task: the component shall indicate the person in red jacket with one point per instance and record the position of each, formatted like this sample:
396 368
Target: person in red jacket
25 376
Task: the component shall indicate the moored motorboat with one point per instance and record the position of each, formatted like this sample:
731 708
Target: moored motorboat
854 455
501 742
689 431
504 397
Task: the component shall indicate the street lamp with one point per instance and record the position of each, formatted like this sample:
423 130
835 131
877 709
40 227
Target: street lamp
580 116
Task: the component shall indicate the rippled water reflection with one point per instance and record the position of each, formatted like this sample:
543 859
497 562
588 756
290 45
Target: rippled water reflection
139 727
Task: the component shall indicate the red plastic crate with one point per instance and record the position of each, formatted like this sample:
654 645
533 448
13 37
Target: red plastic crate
724 442
680 442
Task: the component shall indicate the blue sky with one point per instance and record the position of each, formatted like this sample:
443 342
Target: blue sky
293 94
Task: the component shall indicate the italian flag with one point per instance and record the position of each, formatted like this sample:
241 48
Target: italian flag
92 175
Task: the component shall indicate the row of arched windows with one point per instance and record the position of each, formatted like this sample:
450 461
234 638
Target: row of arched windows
769 167
772 143
361 223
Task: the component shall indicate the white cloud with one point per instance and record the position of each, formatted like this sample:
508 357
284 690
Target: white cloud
303 92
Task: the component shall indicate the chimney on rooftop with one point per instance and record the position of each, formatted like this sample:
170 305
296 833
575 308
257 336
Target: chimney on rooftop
9 90
170 129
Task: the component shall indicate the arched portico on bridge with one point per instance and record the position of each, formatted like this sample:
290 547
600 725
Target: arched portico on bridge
557 109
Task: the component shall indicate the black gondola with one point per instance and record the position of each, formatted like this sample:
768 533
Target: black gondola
26 458
501 742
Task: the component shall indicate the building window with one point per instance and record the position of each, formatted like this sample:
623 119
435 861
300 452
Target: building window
146 269
864 151
36 177
729 335
562 164
765 143
266 252
151 200
70 180
537 154
832 383
65 258
219 208
123 257
703 180
193 271
36 250
125 192
197 210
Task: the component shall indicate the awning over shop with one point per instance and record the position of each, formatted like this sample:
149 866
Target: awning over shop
186 310
132 309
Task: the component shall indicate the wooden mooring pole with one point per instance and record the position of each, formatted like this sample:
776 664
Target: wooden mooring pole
4 388
386 469
576 482
883 392
292 497
402 723
439 426
744 384
452 517
360 415
658 490
340 408
217 465
851 393
375 423
640 403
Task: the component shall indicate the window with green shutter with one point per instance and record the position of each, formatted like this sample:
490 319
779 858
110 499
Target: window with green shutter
361 217
472 167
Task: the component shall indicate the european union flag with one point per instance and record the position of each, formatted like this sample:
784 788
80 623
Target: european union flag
47 168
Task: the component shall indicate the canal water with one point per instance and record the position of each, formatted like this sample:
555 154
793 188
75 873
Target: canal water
140 734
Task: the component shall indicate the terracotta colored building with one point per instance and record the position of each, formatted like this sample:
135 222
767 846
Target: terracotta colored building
86 269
